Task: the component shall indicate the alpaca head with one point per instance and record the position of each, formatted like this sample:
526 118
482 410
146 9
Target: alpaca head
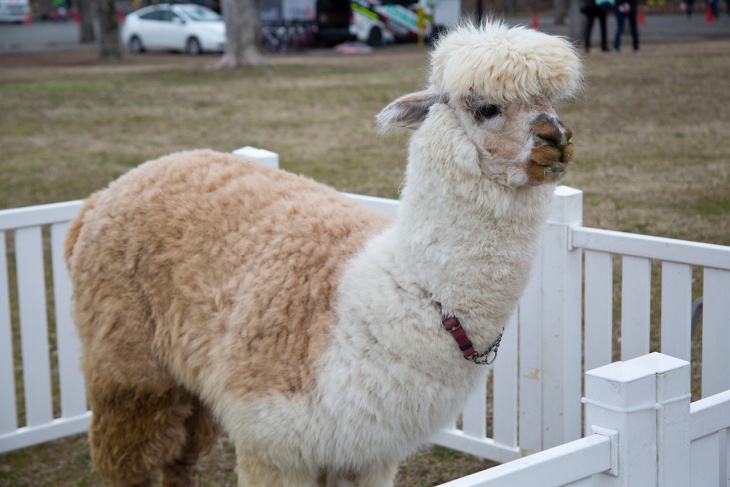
489 106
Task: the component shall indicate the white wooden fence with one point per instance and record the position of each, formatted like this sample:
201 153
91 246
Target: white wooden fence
533 395
643 432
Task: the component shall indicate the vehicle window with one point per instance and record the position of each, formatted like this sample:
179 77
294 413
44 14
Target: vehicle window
167 16
154 15
201 14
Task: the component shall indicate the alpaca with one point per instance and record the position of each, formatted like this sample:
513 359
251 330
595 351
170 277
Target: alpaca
328 342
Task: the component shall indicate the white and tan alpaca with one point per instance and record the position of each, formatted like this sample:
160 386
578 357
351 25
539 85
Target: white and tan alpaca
213 293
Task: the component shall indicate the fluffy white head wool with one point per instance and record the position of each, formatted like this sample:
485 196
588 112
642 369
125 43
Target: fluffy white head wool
503 65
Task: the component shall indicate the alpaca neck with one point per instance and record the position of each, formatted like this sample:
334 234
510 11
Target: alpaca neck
469 250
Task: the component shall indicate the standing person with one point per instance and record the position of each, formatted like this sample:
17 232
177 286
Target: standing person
627 9
595 9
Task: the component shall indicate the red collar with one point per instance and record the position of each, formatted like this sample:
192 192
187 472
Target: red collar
487 357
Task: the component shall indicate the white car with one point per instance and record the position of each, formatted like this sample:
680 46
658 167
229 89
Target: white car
174 27
14 10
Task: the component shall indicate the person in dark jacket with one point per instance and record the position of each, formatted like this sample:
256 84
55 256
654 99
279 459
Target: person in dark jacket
626 9
595 9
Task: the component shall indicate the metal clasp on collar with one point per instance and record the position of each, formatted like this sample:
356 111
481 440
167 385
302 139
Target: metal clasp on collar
489 355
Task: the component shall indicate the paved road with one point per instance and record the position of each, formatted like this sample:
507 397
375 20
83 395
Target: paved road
657 28
42 36
39 36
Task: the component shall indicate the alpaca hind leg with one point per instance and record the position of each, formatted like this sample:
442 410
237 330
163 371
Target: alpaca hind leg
254 473
133 432
203 432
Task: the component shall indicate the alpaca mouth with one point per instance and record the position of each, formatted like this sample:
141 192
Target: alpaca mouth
549 162
542 172
550 155
557 168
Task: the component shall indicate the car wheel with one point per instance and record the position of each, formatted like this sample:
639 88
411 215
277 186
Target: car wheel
135 45
375 38
193 47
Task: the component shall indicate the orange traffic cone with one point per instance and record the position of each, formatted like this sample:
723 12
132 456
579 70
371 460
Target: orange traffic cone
641 20
28 19
709 18
535 20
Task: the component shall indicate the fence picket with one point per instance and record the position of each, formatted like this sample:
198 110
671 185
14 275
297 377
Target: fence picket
705 460
73 391
505 387
34 325
474 422
726 479
635 306
561 321
709 430
530 362
8 410
598 309
676 329
715 332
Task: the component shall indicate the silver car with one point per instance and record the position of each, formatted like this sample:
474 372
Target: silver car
174 27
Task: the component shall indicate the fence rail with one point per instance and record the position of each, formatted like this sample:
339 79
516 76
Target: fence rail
561 465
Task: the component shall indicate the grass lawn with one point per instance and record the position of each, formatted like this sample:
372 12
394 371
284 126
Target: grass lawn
652 131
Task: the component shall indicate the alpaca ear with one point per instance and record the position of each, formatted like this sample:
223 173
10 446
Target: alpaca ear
408 111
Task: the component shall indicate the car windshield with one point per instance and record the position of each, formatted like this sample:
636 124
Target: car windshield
199 14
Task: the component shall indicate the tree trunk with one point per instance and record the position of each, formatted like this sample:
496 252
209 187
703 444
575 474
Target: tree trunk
109 31
242 27
86 19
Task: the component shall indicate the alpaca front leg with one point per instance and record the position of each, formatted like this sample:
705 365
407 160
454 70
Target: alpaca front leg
374 477
254 473
383 476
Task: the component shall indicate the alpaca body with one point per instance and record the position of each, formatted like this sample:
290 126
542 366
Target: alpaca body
380 341
213 293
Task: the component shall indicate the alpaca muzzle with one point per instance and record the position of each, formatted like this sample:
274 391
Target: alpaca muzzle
552 151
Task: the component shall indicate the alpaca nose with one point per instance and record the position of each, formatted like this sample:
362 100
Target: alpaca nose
547 128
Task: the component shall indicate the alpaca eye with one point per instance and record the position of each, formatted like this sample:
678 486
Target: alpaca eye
485 112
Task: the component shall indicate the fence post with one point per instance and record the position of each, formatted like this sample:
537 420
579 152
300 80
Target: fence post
621 397
646 400
262 156
560 288
673 421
